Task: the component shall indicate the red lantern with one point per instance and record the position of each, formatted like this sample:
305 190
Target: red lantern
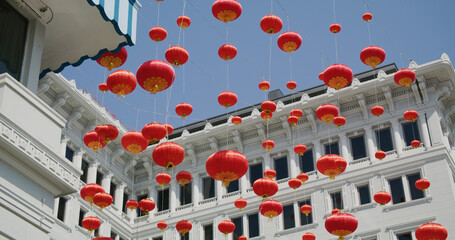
236 120
89 190
102 200
111 60
415 143
242 238
297 113
331 165
326 112
291 85
168 154
341 224
308 236
163 179
146 205
264 85
106 132
321 76
227 52
271 24
431 231
103 87
268 106
240 203
183 110
300 149
226 10
162 225
154 132
422 184
134 142
91 224
226 166
294 183
121 82
132 204
372 56
337 76
377 110
169 128
306 209
226 227
367 17
176 55
335 211
339 121
270 173
382 197
411 115
227 99
183 177
158 34
155 76
303 177
265 187
380 155
271 208
183 21
293 120
289 41
183 226
92 141
266 116
335 28
404 77
268 145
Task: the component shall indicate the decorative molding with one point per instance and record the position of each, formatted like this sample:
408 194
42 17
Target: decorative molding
190 150
117 154
261 131
60 100
389 98
76 114
213 144
286 127
238 140
43 86
312 120
363 106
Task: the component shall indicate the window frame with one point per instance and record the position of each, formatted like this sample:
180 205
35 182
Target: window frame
301 164
158 190
277 157
248 223
376 137
403 175
310 215
359 198
187 185
326 144
213 230
403 132
292 213
340 190
255 163
202 188
352 148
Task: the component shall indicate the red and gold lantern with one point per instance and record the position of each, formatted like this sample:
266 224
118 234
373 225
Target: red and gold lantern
102 200
326 112
226 166
339 121
92 141
242 238
112 60
91 223
176 55
227 99
121 82
264 85
161 225
226 227
335 28
227 52
183 177
300 149
297 113
154 132
266 116
289 41
338 76
155 76
377 110
163 179
291 85
271 208
380 155
372 56
367 17
303 177
183 21
268 106
183 109
169 128
226 10
265 187
158 34
168 154
306 209
240 203
404 77
270 173
106 132
89 190
146 205
183 226
341 224
293 120
134 142
422 184
382 197
410 115
415 143
268 145
236 120
431 231
335 211
271 24
103 87
294 183
308 236
321 76
132 204
331 165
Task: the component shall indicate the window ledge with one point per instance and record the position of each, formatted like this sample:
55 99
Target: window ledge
363 207
313 225
258 238
63 225
408 204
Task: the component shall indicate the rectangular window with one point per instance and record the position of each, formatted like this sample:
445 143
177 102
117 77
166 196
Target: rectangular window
281 168
233 186
332 148
384 140
163 199
186 194
415 193
358 147
81 217
208 187
397 191
84 168
99 177
364 194
288 216
112 191
185 237
208 232
125 199
307 161
61 208
238 227
139 198
337 200
256 172
113 235
304 220
404 236
69 154
96 232
411 132
253 225
157 238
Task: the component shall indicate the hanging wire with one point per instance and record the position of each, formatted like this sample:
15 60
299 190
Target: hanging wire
180 28
334 12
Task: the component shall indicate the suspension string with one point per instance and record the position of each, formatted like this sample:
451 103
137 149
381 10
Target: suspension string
369 33
334 12
271 6
336 48
227 33
137 117
156 50
154 109
290 65
289 24
227 75
158 14
180 28
270 58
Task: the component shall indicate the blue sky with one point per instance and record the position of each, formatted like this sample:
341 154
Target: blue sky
421 30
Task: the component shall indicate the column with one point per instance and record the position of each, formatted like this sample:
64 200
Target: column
294 169
33 55
132 214
297 214
407 191
63 143
173 196
219 190
119 196
344 141
267 161
397 137
106 182
370 142
246 231
243 184
196 193
317 149
91 172
424 131
434 125
77 158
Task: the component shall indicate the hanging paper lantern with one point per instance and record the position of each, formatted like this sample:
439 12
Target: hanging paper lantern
134 142
169 128
227 52
162 225
271 24
326 112
380 155
268 145
183 110
339 121
382 197
411 115
163 179
270 173
372 56
297 113
377 110
266 116
227 99
293 120
183 177
112 60
154 132
236 120
422 184
300 149
271 208
146 205
89 190
226 10
121 82
132 204
306 209
291 85
338 76
308 236
431 231
183 21
226 227
289 41
91 224
226 166
265 187
183 226
415 143
242 238
264 85
107 132
367 17
341 224
103 87
176 55
268 106
331 165
155 76
321 76
335 211
240 203
92 141
168 154
158 34
303 177
102 200
335 28
294 183
404 77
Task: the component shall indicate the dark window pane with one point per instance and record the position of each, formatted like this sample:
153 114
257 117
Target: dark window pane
157 238
69 154
113 235
358 147
415 193
238 227
233 186
61 208
208 232
112 190
84 168
288 216
99 177
411 132
332 148
125 199
364 194
281 168
139 198
81 216
255 172
96 232
163 199
253 225
307 161
404 236
396 187
337 200
208 187
384 139
304 220
185 237
185 194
